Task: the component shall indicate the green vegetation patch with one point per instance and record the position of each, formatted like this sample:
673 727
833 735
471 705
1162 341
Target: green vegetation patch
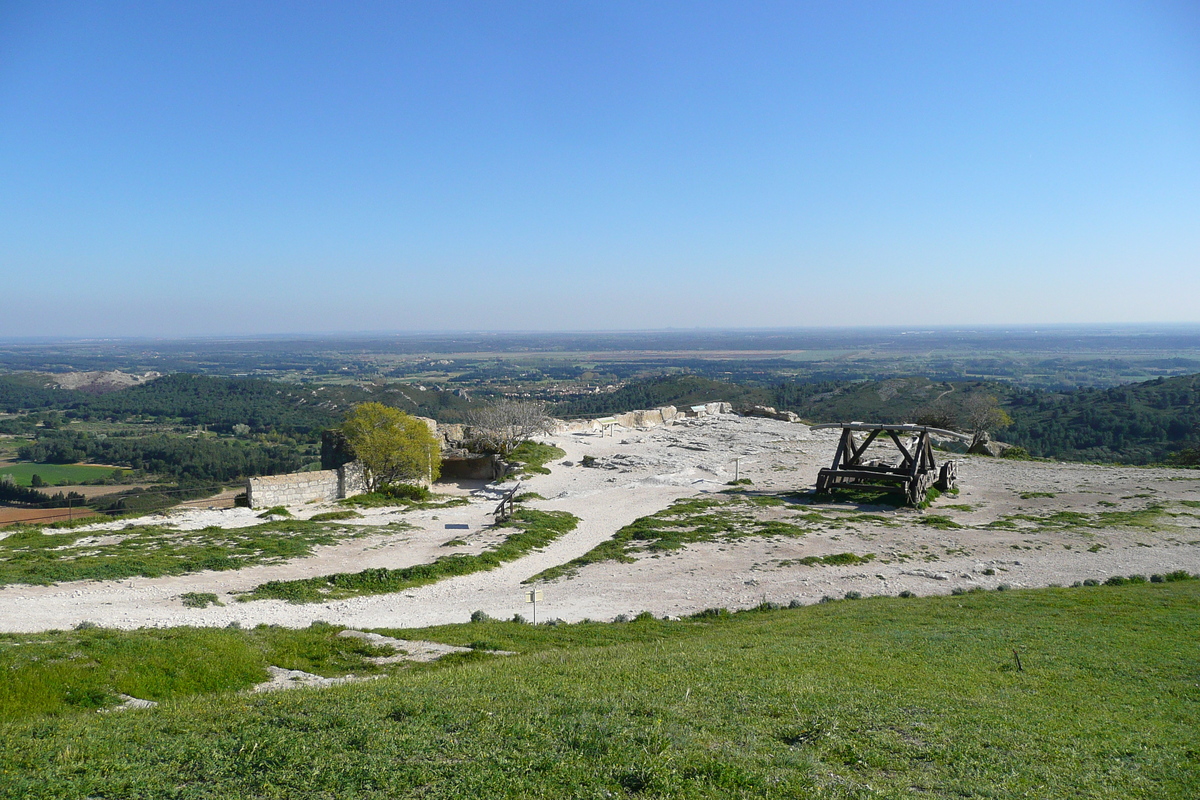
835 560
535 529
31 556
881 697
275 511
199 599
411 497
58 474
333 516
939 521
533 457
685 522
60 673
1149 518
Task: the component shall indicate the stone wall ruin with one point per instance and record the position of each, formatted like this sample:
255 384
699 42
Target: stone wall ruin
298 488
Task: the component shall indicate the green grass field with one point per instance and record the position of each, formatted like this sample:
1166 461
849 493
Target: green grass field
875 698
55 474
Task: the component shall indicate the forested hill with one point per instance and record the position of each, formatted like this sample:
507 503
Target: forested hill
891 400
218 403
1139 423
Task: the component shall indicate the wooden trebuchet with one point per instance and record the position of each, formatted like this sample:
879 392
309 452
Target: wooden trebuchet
916 472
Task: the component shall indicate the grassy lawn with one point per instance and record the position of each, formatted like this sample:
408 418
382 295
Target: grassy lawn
883 697
31 556
55 474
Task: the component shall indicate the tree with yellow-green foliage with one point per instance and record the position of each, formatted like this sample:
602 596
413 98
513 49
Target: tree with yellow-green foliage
393 447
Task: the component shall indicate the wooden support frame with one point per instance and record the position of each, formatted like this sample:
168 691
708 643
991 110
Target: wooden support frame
916 473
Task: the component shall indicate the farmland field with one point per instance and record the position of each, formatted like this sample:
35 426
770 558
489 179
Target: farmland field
54 474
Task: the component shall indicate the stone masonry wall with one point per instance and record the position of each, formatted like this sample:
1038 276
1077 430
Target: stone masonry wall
298 488
295 489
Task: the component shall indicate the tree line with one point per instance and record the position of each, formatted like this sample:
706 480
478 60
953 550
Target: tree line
182 458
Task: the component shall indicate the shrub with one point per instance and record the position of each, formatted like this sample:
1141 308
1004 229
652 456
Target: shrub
1017 454
1115 580
405 491
795 603
587 461
1136 579
1091 582
1178 575
853 595
1156 578
199 599
907 593
1004 587
480 616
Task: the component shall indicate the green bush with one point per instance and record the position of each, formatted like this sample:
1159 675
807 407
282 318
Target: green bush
199 599
406 491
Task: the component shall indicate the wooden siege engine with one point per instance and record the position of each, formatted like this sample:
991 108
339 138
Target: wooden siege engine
916 472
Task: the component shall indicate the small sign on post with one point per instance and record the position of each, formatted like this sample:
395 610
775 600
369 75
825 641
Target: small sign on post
532 596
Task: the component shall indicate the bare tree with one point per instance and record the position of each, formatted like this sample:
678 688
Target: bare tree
501 425
982 415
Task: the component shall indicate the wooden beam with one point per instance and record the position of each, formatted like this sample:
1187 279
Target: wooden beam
908 457
860 450
905 427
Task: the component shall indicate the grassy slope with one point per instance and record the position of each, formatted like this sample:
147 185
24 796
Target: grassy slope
71 672
870 698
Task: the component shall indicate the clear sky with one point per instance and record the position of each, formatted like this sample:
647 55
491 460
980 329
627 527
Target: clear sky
246 167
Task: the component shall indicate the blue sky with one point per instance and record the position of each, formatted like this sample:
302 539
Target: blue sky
222 168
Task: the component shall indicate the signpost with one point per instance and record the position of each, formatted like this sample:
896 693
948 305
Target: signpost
532 596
